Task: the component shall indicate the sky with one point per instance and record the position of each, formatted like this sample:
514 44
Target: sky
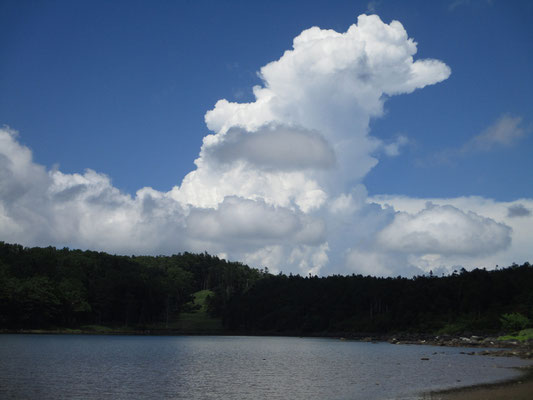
383 138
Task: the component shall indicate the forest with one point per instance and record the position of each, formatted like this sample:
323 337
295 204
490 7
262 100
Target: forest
47 288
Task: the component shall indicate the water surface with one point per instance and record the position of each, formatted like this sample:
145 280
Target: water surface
232 367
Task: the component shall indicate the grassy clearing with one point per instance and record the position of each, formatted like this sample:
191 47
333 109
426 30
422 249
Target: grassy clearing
522 336
198 320
200 298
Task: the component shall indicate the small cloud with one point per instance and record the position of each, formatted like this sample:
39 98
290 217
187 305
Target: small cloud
518 210
506 131
459 3
238 94
372 6
393 149
232 66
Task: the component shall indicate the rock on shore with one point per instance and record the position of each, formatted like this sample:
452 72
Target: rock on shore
503 348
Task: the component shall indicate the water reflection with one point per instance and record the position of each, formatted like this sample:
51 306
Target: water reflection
125 367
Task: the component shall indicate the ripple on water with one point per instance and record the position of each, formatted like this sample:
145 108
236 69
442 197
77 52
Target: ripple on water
231 367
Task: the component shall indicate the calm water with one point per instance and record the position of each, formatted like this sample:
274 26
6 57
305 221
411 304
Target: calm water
207 367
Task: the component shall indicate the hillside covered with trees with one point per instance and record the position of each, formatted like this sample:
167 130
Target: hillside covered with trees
49 288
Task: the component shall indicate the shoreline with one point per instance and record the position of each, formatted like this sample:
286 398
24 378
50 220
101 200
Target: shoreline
498 348
502 348
519 388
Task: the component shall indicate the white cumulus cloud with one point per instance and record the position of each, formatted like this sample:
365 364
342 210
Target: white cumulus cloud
279 181
444 230
513 246
331 83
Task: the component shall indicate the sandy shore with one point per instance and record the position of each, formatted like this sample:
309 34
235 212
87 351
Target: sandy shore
519 389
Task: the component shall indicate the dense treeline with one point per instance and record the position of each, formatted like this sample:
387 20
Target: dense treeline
467 301
48 287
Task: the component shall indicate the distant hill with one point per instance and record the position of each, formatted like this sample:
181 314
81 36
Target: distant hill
49 288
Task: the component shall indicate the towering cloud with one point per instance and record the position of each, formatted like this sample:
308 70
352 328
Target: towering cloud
330 83
278 183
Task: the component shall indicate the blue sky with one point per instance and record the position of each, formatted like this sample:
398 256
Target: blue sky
123 87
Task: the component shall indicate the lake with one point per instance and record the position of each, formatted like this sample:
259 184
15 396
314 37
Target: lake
233 367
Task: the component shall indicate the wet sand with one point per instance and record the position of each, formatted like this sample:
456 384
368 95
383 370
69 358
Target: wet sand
518 389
